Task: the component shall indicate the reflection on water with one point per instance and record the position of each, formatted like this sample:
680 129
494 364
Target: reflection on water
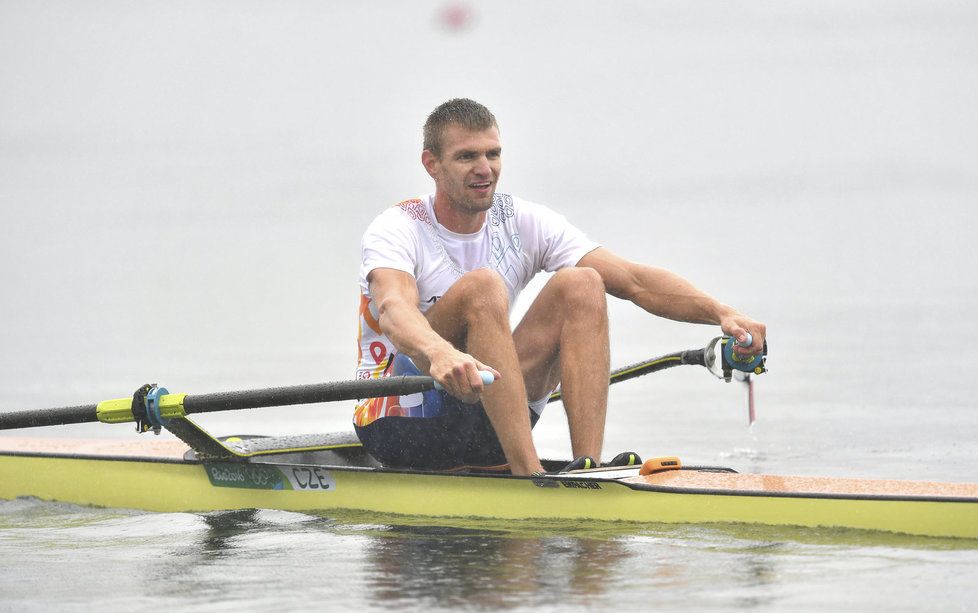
261 558
455 566
224 527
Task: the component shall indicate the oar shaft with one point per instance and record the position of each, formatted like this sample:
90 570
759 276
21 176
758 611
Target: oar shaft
306 394
679 358
230 401
35 418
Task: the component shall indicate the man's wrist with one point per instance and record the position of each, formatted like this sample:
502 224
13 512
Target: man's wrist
725 311
436 348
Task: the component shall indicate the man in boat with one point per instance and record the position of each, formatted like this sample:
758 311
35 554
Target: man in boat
438 278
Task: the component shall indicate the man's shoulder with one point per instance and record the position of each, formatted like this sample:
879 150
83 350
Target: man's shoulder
414 209
404 214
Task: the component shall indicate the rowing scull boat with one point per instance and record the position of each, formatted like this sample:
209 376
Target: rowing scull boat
324 473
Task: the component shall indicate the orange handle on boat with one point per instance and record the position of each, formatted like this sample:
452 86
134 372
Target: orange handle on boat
657 465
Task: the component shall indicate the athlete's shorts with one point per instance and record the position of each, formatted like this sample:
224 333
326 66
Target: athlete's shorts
460 436
435 431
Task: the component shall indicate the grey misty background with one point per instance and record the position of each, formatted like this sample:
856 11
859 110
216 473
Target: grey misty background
183 187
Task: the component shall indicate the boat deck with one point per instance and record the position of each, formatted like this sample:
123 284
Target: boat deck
156 447
820 486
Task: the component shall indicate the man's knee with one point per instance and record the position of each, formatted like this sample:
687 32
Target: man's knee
478 295
484 289
581 288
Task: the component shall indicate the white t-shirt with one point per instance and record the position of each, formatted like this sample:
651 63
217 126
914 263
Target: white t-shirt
518 240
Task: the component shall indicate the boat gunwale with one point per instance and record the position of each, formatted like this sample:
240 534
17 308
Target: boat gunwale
96 456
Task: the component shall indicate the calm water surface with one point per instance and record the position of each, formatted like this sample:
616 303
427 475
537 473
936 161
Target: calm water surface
182 190
260 559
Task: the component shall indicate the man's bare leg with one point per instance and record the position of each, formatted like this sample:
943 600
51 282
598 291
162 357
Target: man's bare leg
563 338
473 315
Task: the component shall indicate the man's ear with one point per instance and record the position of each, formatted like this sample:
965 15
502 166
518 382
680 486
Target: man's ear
430 162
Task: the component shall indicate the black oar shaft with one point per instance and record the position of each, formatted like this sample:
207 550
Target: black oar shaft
679 358
35 418
306 394
230 401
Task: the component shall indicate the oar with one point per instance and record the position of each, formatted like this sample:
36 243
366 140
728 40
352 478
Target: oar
746 379
161 405
717 357
179 405
690 356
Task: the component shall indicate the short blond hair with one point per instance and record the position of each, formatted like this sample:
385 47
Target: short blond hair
461 111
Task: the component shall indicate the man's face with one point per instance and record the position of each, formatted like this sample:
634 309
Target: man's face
469 166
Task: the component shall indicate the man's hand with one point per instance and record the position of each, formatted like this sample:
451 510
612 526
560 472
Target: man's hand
737 326
396 295
458 373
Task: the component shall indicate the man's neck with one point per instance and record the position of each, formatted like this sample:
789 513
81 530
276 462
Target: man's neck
455 218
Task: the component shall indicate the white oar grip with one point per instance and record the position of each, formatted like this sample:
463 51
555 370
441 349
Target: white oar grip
487 378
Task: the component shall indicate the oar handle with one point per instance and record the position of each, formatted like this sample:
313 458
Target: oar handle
487 378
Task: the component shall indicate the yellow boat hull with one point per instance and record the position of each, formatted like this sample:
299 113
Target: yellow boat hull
144 477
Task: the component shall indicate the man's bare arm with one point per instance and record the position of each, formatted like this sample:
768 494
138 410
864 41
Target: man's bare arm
668 295
395 294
